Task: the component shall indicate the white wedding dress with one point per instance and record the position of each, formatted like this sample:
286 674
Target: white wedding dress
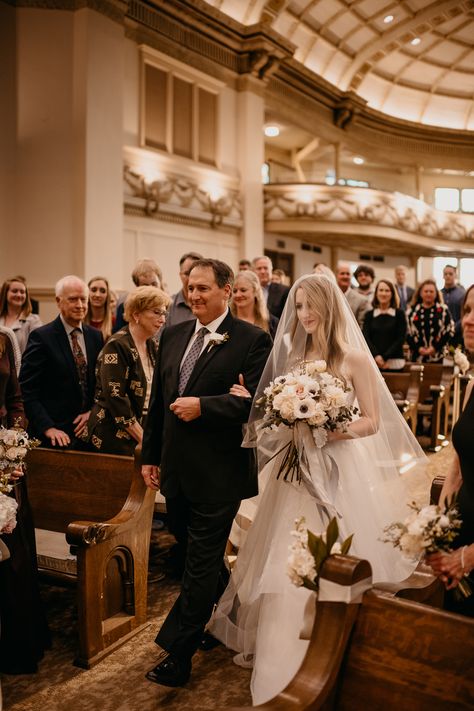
261 612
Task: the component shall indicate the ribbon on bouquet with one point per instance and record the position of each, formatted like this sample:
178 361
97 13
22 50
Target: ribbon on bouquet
305 463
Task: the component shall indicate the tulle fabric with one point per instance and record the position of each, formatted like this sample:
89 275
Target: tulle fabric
366 481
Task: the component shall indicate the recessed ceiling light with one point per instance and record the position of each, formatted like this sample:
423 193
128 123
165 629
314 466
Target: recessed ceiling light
388 18
271 131
415 41
358 160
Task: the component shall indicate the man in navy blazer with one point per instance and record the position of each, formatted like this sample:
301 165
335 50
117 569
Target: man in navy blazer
192 449
57 395
275 294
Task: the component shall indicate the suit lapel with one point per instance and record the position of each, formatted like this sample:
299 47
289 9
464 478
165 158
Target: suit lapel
209 352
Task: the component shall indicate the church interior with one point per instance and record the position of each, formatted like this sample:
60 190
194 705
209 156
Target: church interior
309 131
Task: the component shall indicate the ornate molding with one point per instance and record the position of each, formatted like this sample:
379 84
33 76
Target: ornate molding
181 199
113 9
363 211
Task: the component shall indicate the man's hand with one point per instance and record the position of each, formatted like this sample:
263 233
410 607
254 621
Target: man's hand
16 474
57 437
151 476
380 361
186 408
80 422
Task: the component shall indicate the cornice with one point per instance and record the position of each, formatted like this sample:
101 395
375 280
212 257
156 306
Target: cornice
113 9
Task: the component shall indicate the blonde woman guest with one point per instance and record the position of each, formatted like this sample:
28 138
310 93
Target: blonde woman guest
248 302
124 374
99 313
16 312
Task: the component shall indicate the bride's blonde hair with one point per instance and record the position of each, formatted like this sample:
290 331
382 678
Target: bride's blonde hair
329 336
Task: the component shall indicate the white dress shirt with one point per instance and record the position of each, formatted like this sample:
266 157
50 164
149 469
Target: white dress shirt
211 327
80 336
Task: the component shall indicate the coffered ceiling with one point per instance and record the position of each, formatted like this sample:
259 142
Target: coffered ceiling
412 59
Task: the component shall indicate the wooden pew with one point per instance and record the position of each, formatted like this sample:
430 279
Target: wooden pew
386 652
405 390
435 392
103 506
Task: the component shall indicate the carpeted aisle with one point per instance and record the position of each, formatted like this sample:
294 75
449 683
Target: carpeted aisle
118 683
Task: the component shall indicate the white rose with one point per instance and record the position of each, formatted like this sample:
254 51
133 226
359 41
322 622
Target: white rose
444 521
287 411
13 453
411 545
9 438
316 366
319 416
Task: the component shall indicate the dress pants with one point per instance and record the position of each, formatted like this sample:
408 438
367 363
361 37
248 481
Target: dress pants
207 527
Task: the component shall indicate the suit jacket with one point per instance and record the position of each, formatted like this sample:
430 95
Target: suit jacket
49 380
404 303
203 459
277 296
359 305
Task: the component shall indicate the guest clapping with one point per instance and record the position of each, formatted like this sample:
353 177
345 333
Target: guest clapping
248 302
430 326
99 313
385 328
451 567
16 311
124 374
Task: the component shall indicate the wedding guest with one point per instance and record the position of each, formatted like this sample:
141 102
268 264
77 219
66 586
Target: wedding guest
124 373
245 265
146 273
16 311
365 277
385 327
180 309
279 277
57 372
24 632
452 567
275 295
358 303
453 296
248 302
405 292
99 312
430 326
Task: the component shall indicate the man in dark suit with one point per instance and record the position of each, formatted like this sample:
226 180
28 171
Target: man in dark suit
275 294
192 450
57 374
404 291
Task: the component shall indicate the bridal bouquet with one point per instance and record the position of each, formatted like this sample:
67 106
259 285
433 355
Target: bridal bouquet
308 552
8 508
14 446
427 530
310 395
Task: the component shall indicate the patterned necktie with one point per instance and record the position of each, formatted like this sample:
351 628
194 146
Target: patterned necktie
81 363
191 358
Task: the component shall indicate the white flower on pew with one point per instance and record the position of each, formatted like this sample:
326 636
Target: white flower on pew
309 551
461 360
8 508
427 529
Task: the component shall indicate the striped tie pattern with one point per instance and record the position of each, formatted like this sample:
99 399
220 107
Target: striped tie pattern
191 358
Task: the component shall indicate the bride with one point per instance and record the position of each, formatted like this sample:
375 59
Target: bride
362 476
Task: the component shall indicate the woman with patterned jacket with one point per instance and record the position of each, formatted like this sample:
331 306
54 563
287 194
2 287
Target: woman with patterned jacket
430 326
124 373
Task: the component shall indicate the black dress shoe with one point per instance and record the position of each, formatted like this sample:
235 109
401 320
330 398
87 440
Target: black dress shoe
170 671
208 642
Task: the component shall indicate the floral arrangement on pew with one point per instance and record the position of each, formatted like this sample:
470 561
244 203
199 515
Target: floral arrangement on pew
309 551
427 529
14 446
306 395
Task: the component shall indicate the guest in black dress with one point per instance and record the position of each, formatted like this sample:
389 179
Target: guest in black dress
430 326
124 372
451 567
385 328
24 632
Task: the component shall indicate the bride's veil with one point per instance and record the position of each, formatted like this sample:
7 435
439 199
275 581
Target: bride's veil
395 450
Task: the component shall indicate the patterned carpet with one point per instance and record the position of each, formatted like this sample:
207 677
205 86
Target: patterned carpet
118 683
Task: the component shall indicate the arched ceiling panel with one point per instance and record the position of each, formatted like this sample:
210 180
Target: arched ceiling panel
419 66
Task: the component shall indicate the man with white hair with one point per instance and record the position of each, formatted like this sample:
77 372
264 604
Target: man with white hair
57 375
275 294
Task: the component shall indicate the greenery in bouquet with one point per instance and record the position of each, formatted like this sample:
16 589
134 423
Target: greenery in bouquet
427 529
306 395
308 552
14 446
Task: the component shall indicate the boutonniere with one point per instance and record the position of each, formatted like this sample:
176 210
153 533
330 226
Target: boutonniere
217 339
